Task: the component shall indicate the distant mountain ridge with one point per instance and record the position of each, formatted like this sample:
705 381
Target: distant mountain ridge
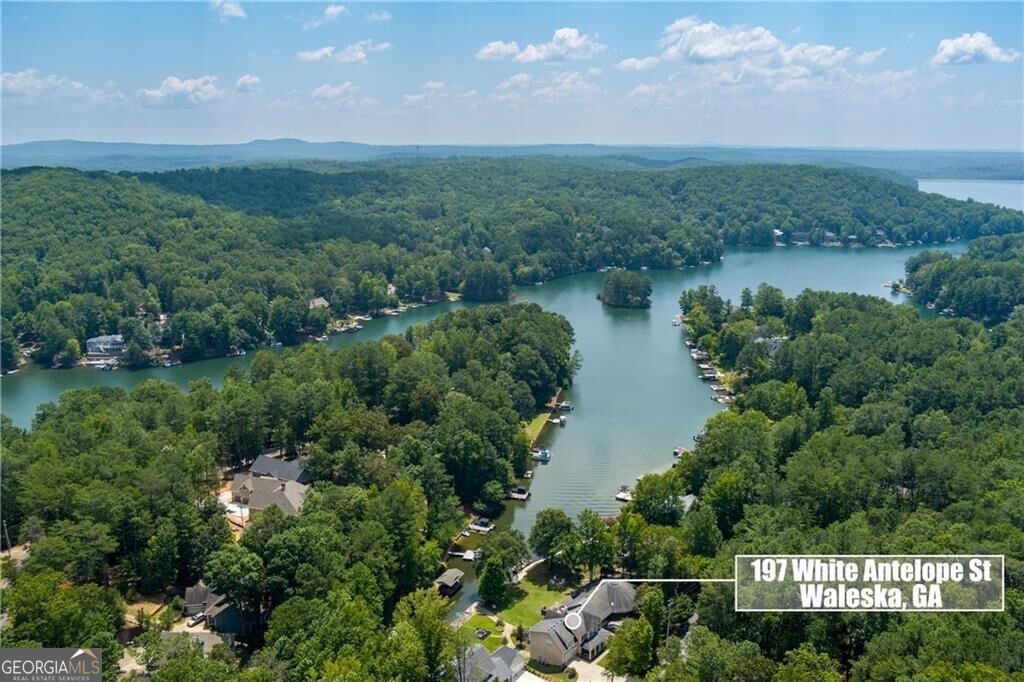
136 156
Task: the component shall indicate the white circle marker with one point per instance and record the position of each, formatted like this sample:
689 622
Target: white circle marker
573 621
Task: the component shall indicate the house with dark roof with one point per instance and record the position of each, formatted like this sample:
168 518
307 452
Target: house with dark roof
449 582
196 598
258 493
281 469
504 665
553 642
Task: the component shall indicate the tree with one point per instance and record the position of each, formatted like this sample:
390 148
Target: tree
625 289
287 316
630 651
493 585
596 543
804 664
549 529
486 280
425 611
507 546
238 574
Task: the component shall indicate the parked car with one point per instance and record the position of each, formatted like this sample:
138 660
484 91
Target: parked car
195 620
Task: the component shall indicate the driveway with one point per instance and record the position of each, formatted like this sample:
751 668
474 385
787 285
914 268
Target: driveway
592 672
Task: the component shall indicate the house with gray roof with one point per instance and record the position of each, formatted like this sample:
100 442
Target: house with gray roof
258 493
504 665
107 344
281 469
553 642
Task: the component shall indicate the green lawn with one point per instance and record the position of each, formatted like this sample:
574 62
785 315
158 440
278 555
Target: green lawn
480 621
533 592
533 429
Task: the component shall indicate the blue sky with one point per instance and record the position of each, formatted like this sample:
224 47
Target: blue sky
917 75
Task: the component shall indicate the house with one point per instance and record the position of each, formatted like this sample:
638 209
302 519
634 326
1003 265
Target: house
221 615
281 469
259 492
450 582
196 598
226 618
504 665
318 302
105 345
553 642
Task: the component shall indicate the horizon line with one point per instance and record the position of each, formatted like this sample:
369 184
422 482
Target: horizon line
506 145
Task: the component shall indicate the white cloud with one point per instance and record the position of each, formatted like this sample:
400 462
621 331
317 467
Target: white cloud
247 83
357 53
327 91
331 12
566 43
317 55
429 91
227 10
497 49
379 15
594 71
691 38
433 86
814 55
174 91
520 80
972 47
30 87
567 84
637 63
865 58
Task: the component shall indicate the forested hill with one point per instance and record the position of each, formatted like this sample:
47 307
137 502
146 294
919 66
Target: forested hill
232 256
985 283
1002 165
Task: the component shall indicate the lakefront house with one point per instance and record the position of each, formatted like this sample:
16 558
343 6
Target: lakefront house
553 642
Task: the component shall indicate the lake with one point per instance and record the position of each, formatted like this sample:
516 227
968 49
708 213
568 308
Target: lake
637 395
1008 193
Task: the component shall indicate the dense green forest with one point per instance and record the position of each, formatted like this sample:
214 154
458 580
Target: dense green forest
114 491
205 260
626 289
866 430
985 283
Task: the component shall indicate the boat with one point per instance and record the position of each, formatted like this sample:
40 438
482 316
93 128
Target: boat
362 318
481 525
723 399
624 494
351 327
235 352
541 454
719 388
689 343
559 421
106 367
565 406
929 306
322 338
171 362
528 474
708 376
680 451
706 366
519 493
275 344
947 312
12 371
699 355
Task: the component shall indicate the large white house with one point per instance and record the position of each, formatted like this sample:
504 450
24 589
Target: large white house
553 642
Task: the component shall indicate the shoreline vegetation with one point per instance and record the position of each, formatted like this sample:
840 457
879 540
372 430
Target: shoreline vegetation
210 262
626 289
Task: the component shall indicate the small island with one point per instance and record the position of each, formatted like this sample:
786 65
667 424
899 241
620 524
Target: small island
625 289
